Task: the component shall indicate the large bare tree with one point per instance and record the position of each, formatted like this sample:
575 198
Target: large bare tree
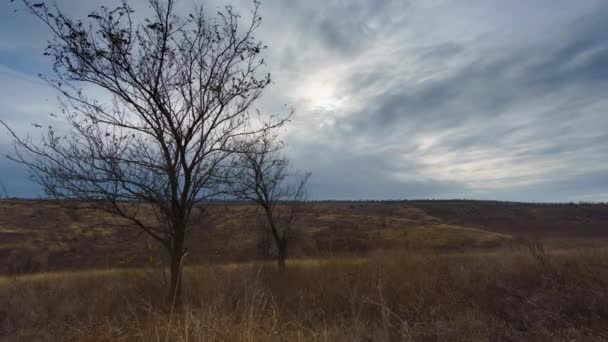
181 92
262 175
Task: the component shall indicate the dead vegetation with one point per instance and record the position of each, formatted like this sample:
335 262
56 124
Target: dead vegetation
500 296
57 238
361 272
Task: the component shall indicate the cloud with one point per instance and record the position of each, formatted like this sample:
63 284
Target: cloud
24 99
421 99
487 116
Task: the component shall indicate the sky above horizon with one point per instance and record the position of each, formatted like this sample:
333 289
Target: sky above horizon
480 99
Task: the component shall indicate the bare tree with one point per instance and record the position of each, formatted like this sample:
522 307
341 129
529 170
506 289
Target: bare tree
262 176
181 91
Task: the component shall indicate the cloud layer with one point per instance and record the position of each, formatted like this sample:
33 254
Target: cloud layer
411 99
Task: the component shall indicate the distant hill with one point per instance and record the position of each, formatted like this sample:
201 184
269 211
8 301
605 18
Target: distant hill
44 235
545 220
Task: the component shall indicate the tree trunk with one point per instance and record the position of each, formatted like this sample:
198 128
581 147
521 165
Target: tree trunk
280 241
177 254
281 254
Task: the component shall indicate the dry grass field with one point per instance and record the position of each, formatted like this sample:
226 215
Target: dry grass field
415 271
40 236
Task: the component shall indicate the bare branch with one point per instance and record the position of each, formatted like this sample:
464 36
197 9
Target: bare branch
261 174
181 90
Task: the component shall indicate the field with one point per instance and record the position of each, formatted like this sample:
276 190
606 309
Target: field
390 271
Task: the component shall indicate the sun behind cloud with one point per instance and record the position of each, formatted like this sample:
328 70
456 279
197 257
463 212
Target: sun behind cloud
321 94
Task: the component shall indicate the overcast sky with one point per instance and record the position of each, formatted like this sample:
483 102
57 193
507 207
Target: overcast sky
477 99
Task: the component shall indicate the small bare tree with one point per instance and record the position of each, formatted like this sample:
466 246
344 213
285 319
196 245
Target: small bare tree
181 89
262 176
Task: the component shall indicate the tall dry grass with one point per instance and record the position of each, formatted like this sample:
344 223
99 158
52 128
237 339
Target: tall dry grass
502 296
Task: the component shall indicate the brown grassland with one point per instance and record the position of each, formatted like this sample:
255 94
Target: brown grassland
402 271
